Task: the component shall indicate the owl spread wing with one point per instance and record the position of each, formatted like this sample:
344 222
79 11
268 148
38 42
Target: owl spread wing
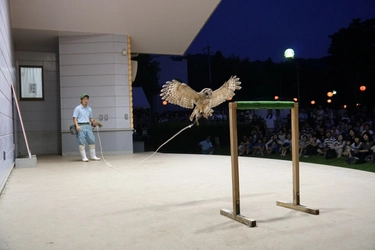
179 94
226 91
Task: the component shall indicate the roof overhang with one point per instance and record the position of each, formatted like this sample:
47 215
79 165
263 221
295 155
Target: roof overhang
155 26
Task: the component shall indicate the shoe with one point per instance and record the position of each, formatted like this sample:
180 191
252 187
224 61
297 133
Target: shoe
93 155
305 156
83 155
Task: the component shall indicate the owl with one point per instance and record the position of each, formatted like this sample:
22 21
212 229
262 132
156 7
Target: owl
184 96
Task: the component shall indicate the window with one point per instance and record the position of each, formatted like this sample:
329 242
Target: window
31 80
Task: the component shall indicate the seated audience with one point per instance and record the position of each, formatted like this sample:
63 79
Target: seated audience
366 146
286 145
272 146
339 145
303 144
347 148
354 148
206 146
327 143
258 147
315 146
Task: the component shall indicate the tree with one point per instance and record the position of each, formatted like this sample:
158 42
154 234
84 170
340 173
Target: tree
352 56
148 77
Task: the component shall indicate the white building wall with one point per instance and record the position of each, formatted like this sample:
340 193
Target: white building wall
7 77
94 64
41 118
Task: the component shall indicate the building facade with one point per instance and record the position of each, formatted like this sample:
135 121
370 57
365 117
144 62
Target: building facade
80 47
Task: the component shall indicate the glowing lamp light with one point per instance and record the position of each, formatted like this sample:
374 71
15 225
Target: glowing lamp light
329 100
229 99
165 102
362 88
330 94
295 99
334 92
345 106
357 104
312 102
289 53
276 97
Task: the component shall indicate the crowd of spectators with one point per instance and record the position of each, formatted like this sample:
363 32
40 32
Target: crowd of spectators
322 131
143 118
326 132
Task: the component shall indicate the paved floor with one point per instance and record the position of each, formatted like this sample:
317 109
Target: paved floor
173 201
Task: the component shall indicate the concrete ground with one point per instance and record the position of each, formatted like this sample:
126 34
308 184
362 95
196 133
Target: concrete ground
173 201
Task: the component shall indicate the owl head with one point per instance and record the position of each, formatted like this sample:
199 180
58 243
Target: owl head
206 93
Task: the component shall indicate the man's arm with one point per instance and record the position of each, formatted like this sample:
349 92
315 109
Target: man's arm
92 120
76 123
362 149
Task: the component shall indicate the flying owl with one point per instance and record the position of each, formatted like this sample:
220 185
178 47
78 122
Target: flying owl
184 96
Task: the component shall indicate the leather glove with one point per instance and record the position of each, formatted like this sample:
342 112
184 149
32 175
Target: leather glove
96 123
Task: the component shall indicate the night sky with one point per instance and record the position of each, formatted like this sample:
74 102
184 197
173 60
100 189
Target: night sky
259 29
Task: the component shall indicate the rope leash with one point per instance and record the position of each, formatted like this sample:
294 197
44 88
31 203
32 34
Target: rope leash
189 126
101 152
117 169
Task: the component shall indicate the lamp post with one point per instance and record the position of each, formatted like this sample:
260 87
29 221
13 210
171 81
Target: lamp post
289 54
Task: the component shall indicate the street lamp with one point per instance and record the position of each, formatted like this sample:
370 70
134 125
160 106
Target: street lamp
289 54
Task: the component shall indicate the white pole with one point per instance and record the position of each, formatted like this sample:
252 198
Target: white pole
19 114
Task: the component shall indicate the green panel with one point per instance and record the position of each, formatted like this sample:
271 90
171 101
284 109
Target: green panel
265 105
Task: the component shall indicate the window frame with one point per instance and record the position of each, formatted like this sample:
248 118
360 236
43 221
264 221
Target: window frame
20 81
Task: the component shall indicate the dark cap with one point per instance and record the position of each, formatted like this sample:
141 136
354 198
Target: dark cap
85 95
